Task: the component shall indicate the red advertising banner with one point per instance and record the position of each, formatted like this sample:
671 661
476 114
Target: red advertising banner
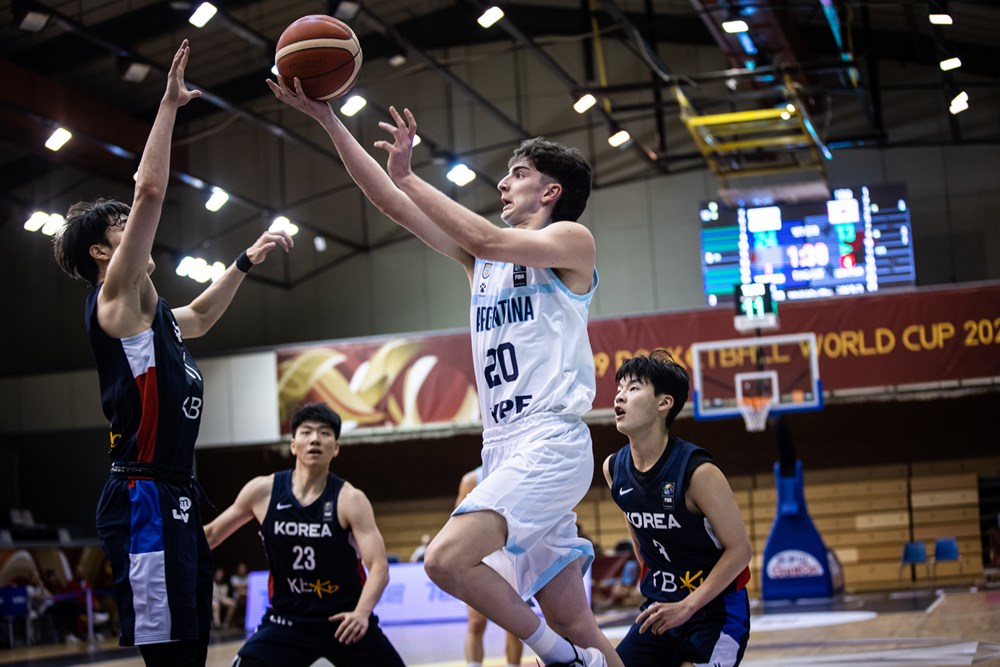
913 337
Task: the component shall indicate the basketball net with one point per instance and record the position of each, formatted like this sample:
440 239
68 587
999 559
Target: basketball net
754 410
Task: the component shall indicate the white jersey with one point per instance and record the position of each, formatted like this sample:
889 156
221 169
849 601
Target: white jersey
530 347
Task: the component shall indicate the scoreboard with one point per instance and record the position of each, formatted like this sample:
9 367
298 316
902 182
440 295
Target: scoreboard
856 243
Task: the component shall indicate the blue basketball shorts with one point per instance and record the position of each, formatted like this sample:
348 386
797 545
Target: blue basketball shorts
282 643
153 536
715 637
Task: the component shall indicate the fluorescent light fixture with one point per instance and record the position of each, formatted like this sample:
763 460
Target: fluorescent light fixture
785 115
282 223
58 139
199 270
417 140
354 104
959 104
735 26
33 21
319 243
950 64
585 102
217 200
36 221
345 10
461 175
53 224
790 108
136 72
940 19
274 69
202 15
490 16
619 138
397 59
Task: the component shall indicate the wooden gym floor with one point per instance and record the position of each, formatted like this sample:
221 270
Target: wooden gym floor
953 627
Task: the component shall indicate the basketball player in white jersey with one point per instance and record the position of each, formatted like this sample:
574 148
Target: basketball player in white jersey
514 537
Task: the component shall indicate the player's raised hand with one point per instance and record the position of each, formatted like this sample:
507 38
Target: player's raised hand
177 91
297 99
267 242
401 149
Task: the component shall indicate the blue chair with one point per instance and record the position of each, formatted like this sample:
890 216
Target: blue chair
913 554
14 605
945 549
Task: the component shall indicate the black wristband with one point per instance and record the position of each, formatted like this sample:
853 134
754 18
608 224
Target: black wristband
243 262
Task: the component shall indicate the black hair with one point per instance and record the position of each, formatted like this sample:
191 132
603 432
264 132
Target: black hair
317 412
661 370
86 224
564 165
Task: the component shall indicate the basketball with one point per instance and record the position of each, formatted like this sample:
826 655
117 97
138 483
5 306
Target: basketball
322 52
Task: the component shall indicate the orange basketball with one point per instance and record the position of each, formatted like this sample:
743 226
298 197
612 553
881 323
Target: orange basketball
322 52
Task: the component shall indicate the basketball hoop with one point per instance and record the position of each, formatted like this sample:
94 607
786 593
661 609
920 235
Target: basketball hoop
754 410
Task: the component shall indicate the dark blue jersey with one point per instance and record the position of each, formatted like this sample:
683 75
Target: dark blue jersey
677 546
151 391
316 570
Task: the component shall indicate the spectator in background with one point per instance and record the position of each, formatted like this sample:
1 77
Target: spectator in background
39 597
221 598
238 583
418 553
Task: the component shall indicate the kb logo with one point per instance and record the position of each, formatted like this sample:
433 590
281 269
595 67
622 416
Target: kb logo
185 504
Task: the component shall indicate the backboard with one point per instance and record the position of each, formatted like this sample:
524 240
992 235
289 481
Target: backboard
747 376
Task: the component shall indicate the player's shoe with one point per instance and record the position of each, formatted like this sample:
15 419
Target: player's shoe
585 657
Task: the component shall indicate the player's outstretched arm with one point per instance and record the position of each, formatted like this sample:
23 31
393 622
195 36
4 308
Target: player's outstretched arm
196 318
369 175
250 503
357 515
560 245
130 261
710 492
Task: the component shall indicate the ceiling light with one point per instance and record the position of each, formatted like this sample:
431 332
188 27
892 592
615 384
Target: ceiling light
790 108
58 139
354 104
417 140
959 104
585 102
319 243
283 224
199 270
397 59
950 64
33 21
135 72
217 200
53 224
940 19
619 138
345 10
490 16
36 221
461 175
734 26
274 69
202 15
785 115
